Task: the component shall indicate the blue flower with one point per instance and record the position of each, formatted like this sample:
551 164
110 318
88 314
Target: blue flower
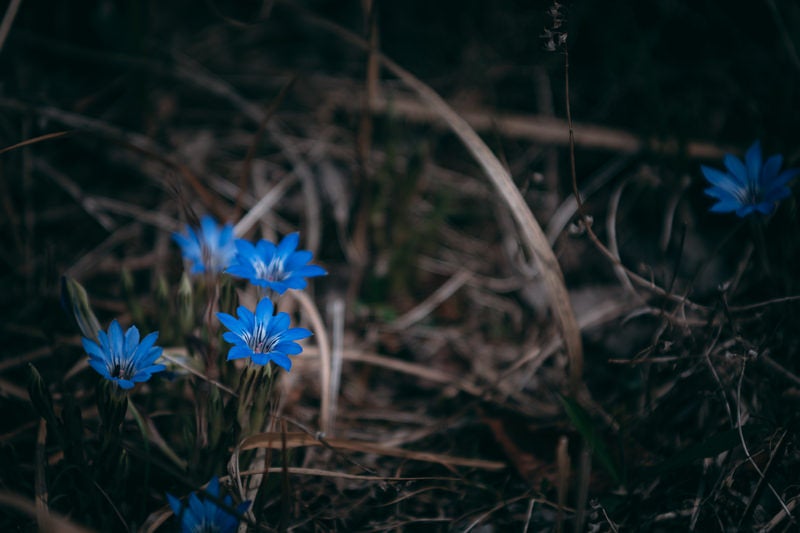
205 515
749 186
261 336
122 358
279 267
210 248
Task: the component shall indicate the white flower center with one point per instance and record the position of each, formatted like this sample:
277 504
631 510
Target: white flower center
259 342
273 271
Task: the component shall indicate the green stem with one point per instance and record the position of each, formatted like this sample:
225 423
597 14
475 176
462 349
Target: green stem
757 227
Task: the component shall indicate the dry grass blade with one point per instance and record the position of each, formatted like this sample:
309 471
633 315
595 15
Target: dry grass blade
582 494
247 166
131 140
535 128
611 228
177 362
194 73
323 343
155 437
42 512
437 298
40 138
8 20
263 206
299 440
533 237
563 462
53 523
70 187
336 314
155 520
9 389
317 472
412 369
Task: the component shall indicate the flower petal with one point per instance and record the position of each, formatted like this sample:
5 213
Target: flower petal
264 311
288 245
738 171
288 348
231 323
239 352
281 360
115 338
295 334
753 161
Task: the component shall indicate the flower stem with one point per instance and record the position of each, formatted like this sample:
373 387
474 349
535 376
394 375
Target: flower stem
757 227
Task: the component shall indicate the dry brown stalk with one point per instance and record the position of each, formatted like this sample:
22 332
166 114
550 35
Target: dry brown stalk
299 440
533 238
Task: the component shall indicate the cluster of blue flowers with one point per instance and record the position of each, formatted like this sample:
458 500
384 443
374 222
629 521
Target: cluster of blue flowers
262 336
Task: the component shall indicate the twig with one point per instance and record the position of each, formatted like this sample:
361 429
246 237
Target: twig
8 20
299 440
744 443
587 223
427 306
35 140
529 515
611 228
247 165
535 128
194 73
774 459
87 203
412 369
781 515
758 305
564 213
132 140
770 362
263 206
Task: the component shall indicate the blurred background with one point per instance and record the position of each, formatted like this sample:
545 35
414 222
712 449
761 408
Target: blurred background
122 121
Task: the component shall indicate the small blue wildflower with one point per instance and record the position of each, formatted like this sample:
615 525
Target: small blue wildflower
210 248
122 358
205 515
279 267
748 186
261 336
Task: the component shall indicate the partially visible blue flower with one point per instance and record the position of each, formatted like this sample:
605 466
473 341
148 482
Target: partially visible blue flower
261 336
210 248
749 186
280 267
204 515
121 358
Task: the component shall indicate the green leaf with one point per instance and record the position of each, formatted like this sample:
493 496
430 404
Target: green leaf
74 296
583 423
40 397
